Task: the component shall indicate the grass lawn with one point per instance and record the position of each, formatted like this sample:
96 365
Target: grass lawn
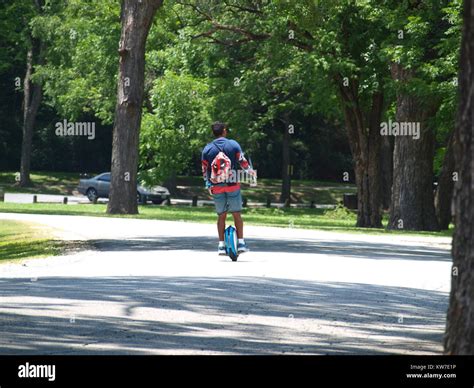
333 220
19 240
61 183
303 191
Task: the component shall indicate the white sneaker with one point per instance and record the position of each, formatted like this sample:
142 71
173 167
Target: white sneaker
221 251
242 248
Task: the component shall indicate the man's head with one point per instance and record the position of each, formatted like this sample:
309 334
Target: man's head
219 129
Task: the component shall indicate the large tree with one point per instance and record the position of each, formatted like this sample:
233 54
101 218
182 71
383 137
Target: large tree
32 95
419 74
136 18
446 117
444 191
412 205
343 41
358 69
459 337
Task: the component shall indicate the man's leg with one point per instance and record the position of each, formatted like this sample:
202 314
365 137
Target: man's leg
221 225
235 207
239 224
220 202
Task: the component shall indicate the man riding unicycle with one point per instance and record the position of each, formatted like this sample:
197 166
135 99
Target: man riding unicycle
219 167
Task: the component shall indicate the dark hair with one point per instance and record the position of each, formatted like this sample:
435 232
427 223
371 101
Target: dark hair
218 128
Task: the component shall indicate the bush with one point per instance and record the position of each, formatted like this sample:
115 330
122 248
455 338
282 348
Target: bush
339 213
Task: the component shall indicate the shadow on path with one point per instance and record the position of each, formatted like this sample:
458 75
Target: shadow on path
363 250
246 315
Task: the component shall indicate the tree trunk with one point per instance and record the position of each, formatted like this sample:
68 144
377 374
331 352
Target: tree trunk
171 183
365 143
31 101
386 165
444 192
459 337
374 166
412 205
285 160
136 18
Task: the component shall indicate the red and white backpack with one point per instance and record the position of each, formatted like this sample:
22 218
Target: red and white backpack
221 168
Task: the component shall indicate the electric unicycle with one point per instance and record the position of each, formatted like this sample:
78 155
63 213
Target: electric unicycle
230 240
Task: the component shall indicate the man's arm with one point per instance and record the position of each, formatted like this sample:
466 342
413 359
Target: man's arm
205 171
243 162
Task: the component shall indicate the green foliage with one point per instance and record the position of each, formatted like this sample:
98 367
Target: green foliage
429 44
15 17
177 128
248 63
80 74
339 213
438 160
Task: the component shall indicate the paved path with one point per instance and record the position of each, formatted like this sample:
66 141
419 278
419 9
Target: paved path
158 287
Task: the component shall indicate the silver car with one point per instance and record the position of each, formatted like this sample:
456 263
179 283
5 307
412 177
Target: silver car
99 187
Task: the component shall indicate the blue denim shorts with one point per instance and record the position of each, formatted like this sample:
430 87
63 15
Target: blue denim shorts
228 202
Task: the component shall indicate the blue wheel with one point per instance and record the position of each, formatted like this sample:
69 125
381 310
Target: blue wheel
231 243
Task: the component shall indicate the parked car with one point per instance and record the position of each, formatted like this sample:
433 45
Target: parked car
99 187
